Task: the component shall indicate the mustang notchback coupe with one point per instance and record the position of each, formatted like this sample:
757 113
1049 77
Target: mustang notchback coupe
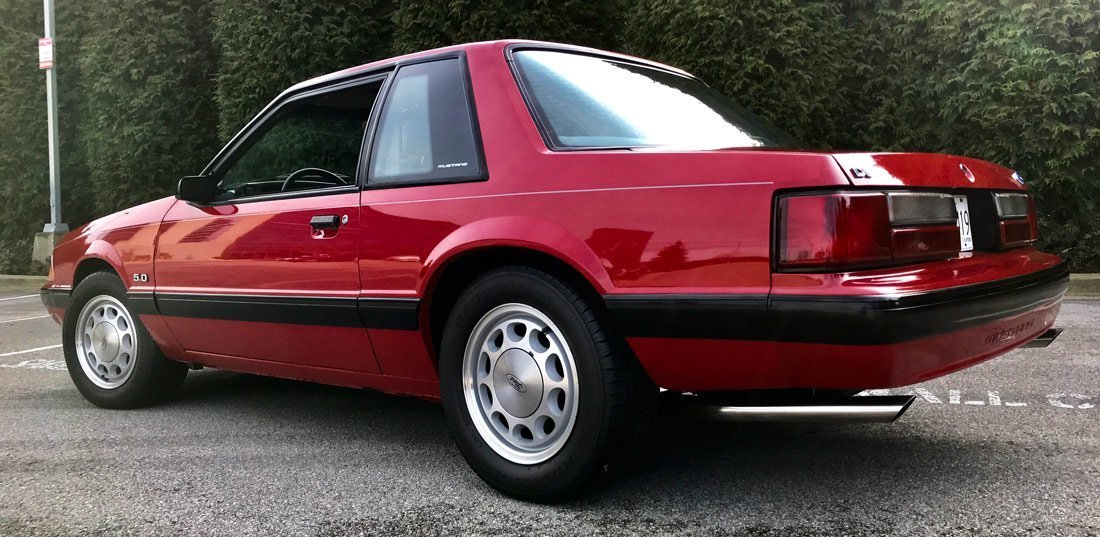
542 236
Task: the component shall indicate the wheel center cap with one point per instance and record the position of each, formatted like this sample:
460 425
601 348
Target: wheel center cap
517 383
105 342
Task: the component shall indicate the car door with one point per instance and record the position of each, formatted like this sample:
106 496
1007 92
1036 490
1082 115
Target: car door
268 271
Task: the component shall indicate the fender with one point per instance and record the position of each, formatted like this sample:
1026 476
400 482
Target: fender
521 232
125 240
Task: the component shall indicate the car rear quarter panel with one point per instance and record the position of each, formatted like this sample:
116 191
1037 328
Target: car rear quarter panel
676 238
629 223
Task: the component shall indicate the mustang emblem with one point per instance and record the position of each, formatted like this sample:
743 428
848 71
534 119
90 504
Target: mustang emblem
516 383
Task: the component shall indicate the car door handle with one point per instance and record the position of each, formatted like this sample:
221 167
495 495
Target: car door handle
325 221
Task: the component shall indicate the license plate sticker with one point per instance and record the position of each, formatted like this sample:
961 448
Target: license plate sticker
966 234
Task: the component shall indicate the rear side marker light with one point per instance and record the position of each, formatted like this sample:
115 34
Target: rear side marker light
1018 222
847 230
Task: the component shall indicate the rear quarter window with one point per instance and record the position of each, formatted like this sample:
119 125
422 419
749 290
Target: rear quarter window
427 129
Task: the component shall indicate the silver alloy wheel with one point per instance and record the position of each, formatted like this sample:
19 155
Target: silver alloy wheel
106 342
520 383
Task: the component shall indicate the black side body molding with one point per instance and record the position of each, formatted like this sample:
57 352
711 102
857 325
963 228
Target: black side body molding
142 303
392 314
690 316
261 309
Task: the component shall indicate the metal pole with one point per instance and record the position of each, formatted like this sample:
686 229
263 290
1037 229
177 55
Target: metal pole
55 225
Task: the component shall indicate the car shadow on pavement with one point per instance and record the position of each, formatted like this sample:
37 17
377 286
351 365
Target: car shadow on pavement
347 412
782 471
707 466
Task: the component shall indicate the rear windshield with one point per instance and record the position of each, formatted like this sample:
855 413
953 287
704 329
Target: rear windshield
586 102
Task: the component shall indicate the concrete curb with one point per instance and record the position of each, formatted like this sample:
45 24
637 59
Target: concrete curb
1080 285
1084 286
21 283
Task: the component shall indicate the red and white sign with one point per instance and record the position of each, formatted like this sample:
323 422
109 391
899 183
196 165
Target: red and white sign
45 53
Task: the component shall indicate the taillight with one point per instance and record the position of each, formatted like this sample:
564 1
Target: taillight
833 230
1017 220
846 230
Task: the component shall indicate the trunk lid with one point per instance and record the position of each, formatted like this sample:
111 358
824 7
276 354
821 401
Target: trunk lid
927 170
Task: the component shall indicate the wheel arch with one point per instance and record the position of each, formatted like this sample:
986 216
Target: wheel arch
455 268
99 258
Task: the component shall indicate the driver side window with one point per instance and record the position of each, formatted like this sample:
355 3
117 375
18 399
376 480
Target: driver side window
312 143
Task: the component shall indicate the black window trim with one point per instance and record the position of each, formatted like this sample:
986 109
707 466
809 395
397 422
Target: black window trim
475 128
385 71
536 116
361 77
257 127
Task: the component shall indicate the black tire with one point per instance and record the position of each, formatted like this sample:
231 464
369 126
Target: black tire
154 377
617 401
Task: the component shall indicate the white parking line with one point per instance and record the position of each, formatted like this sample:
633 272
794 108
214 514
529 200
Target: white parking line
53 365
46 348
17 297
1073 401
23 319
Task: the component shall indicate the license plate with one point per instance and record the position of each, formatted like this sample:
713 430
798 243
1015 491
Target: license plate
966 235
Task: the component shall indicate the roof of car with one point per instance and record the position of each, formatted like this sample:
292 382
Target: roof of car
494 45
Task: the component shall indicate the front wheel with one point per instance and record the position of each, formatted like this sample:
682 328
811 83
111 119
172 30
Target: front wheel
111 357
542 398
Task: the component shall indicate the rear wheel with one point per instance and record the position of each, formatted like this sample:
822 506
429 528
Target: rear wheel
542 399
111 357
519 379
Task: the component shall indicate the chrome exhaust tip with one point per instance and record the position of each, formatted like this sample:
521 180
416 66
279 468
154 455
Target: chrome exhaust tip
857 409
1044 339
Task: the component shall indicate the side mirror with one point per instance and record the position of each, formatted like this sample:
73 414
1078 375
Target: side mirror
197 188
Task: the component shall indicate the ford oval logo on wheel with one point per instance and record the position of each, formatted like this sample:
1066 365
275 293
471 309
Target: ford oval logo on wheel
516 383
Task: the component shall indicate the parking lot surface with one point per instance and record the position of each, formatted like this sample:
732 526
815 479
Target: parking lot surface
1009 447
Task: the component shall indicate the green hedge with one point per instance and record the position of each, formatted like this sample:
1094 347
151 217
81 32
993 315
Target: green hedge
266 46
24 188
420 25
151 89
148 113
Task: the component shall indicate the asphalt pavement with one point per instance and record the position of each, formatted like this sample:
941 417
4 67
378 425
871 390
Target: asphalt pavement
1009 447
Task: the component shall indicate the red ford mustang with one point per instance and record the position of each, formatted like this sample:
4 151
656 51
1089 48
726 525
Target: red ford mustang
541 236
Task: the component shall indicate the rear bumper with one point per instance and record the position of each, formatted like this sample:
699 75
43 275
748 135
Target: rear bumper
707 342
886 320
